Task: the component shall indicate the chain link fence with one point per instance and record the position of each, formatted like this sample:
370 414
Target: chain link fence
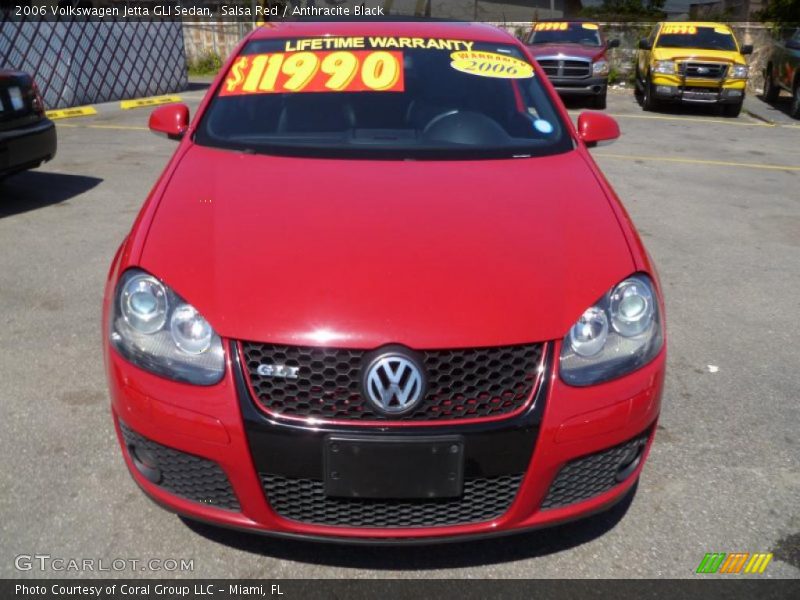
77 63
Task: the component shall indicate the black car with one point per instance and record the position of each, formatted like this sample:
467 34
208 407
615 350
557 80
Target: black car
27 136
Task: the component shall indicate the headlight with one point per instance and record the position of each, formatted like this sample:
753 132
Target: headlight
738 72
665 67
157 330
600 67
619 334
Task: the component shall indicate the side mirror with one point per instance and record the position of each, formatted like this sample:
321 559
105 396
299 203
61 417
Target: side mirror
644 44
747 49
171 120
613 44
596 127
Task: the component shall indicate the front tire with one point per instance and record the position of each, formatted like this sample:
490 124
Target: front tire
771 91
794 108
599 101
732 110
649 103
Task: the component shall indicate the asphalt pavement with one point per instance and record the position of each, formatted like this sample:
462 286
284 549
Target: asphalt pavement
717 202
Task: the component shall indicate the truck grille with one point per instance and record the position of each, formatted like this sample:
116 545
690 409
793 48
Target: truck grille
702 70
304 500
566 68
464 384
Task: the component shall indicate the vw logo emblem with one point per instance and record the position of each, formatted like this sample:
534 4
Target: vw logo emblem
394 384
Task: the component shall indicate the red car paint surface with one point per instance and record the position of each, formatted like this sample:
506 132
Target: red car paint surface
359 254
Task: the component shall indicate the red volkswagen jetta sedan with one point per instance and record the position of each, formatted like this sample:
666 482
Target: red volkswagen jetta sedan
383 291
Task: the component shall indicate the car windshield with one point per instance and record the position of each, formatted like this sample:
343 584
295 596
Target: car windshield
385 97
585 34
704 38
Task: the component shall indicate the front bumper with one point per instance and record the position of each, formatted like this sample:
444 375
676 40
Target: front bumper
556 448
27 147
590 86
677 89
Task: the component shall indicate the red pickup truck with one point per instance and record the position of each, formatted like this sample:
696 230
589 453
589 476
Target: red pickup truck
573 54
783 71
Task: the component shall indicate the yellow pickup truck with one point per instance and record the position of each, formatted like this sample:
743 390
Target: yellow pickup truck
693 62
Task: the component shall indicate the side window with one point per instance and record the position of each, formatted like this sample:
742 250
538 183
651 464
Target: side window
796 36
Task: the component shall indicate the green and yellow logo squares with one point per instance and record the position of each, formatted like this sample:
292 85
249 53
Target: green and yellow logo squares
734 563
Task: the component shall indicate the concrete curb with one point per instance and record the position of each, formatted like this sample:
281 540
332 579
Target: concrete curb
151 101
68 113
759 117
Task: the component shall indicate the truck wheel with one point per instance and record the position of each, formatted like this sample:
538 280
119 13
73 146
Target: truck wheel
599 101
732 110
771 91
794 108
649 103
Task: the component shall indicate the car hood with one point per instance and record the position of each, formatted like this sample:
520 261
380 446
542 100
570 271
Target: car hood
353 253
567 50
697 54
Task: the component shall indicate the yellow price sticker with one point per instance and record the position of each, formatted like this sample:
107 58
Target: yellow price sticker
551 26
490 64
331 71
592 26
679 30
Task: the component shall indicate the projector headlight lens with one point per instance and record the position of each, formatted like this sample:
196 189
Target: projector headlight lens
620 333
157 330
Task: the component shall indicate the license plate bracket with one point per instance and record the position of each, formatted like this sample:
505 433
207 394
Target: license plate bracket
381 467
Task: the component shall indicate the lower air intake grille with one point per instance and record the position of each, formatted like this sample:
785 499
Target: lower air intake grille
304 500
592 475
182 474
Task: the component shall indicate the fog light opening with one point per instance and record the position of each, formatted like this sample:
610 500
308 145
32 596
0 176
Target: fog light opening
630 461
145 463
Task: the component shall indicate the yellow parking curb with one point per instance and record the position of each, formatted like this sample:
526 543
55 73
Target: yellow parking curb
67 113
144 102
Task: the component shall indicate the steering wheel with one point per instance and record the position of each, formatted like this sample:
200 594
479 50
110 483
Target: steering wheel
437 118
465 127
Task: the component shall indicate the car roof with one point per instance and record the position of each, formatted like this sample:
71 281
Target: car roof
480 32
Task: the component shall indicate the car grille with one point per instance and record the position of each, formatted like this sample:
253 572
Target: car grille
304 500
562 68
462 384
591 475
699 94
185 475
702 70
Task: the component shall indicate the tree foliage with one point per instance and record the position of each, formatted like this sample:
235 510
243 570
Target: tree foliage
781 12
629 10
